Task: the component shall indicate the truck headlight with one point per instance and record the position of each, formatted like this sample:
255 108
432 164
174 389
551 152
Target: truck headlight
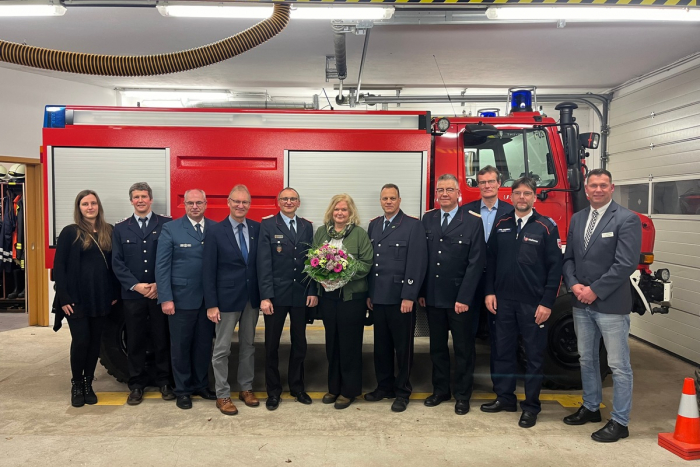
663 275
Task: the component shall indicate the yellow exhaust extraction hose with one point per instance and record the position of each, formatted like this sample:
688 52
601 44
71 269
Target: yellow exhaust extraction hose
147 65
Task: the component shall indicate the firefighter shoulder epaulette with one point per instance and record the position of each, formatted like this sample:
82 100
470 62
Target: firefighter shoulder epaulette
412 217
430 210
474 214
374 219
166 216
552 221
305 219
267 217
122 220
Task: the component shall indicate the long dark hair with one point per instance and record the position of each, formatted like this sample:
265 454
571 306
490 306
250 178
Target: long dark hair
102 230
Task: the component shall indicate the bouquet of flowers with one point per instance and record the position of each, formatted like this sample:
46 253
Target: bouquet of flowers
330 266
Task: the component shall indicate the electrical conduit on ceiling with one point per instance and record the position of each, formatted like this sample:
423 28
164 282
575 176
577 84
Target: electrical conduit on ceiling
147 65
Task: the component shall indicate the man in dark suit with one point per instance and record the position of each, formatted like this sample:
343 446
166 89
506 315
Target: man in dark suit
491 209
134 243
398 269
522 282
602 251
456 258
285 290
231 296
180 294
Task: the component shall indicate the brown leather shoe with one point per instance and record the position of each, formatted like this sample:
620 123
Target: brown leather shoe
248 397
226 406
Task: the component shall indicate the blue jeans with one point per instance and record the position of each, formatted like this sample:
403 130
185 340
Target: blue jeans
590 326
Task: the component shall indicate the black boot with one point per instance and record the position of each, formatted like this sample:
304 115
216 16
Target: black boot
19 284
77 398
90 396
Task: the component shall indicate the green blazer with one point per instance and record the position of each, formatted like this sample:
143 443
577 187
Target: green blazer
358 245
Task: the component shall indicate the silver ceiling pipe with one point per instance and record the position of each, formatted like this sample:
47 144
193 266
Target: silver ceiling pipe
354 101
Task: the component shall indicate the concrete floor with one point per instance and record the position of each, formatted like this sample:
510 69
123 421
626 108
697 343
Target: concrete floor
39 427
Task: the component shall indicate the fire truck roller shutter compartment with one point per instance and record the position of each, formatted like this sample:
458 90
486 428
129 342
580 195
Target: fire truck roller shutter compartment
110 172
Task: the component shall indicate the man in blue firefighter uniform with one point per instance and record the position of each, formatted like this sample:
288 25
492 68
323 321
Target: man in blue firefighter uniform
285 290
134 244
398 269
523 274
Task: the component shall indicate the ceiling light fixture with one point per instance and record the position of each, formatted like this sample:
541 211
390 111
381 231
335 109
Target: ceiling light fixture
592 13
258 12
32 9
201 95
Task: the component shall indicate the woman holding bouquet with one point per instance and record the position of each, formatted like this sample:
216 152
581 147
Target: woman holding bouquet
343 309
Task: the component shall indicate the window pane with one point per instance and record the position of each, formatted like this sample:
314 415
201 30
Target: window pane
633 197
677 197
506 153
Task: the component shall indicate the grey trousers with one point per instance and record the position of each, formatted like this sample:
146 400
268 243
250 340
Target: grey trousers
247 320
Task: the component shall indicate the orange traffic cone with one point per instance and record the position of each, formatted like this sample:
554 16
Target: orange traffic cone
685 440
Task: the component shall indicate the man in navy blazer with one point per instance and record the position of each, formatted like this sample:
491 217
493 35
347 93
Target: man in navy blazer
491 209
181 297
231 296
456 258
602 251
398 269
134 243
285 290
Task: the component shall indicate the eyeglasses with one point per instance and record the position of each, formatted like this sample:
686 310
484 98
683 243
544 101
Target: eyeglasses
487 182
195 203
449 191
233 201
522 194
290 199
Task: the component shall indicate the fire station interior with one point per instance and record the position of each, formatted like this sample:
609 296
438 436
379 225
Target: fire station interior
632 71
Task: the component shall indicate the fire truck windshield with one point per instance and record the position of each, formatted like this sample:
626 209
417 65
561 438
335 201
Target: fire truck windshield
506 152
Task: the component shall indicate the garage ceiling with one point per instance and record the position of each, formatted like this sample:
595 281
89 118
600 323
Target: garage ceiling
419 58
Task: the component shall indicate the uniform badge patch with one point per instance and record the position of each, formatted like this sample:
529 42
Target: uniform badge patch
279 248
504 230
279 236
527 239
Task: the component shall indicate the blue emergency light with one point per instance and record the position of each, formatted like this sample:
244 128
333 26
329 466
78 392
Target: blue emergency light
521 101
487 114
55 116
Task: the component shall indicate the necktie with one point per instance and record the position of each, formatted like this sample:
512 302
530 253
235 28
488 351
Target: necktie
198 227
520 227
590 229
244 247
292 231
144 221
386 224
445 223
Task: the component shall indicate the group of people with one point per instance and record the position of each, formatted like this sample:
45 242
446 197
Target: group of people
187 281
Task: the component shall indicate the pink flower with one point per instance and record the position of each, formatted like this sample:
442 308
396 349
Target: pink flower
341 253
314 262
329 257
338 267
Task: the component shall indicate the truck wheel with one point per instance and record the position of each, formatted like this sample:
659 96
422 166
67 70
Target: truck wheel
113 347
561 365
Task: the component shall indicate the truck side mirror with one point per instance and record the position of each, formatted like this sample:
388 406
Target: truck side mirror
589 140
574 176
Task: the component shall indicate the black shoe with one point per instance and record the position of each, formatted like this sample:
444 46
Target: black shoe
205 393
272 402
498 406
135 397
329 398
436 399
462 407
90 396
399 404
77 397
302 397
378 395
343 402
184 402
527 419
166 392
611 433
582 416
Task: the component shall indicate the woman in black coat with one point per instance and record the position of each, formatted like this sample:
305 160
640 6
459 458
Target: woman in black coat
85 289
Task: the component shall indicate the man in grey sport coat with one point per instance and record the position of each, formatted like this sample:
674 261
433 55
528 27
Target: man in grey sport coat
602 251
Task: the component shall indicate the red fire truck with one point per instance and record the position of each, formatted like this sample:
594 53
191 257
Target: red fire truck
322 153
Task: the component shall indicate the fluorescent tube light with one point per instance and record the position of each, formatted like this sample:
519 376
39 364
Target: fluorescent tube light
592 14
260 12
203 95
32 10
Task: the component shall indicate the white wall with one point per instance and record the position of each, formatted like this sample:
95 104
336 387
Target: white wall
655 159
22 101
